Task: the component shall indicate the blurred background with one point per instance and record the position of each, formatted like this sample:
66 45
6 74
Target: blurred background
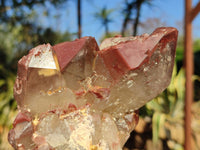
25 24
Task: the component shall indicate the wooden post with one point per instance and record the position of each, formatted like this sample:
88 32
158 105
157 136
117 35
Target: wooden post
190 14
189 73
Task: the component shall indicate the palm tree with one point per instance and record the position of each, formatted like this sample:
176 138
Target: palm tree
104 17
130 7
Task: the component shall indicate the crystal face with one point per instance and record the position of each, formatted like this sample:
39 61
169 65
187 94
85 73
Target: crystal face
77 96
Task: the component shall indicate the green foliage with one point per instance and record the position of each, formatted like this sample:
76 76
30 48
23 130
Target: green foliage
180 48
17 11
180 58
167 111
196 45
7 103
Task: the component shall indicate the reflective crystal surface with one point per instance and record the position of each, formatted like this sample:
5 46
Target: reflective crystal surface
76 96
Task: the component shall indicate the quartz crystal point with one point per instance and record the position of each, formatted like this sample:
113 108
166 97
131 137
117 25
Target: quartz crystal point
76 96
139 68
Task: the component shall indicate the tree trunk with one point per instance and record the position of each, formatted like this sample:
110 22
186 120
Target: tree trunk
106 29
79 18
135 25
127 17
125 22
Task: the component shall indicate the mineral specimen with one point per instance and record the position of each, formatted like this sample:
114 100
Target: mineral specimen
77 96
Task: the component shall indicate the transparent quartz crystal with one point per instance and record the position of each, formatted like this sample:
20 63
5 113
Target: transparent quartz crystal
139 86
44 87
75 96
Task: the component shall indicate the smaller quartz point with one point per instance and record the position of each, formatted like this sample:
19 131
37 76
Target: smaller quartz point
140 68
77 96
39 82
20 136
76 60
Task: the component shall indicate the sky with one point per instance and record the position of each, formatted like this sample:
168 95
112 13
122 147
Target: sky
168 12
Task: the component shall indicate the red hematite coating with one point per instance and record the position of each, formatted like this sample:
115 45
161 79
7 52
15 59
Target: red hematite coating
21 117
66 51
130 55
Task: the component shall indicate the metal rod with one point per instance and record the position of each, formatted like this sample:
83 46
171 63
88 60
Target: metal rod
189 73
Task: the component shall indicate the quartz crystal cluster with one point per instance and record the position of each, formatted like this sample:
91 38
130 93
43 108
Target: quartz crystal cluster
81 96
